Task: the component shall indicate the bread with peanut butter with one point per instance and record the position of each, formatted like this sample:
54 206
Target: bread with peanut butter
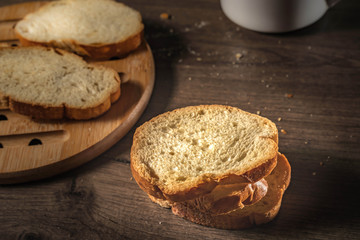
259 213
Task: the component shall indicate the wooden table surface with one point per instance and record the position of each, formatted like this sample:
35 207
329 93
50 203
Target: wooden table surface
307 82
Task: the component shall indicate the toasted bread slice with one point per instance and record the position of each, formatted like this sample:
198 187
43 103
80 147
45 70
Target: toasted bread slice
48 83
262 212
95 29
186 153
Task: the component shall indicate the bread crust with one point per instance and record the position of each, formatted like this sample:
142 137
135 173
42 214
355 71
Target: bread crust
205 183
261 212
95 52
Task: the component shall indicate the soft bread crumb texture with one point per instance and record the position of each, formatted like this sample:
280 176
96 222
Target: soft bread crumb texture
49 77
85 21
214 140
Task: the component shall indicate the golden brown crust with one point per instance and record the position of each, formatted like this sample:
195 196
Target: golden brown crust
91 51
145 185
262 212
53 113
36 111
4 101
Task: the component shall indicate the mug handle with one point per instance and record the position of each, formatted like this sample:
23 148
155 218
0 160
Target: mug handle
332 3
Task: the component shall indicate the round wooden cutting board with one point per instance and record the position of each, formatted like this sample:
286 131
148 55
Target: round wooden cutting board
32 149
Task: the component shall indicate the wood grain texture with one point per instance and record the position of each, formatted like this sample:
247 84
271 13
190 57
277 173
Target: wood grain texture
195 56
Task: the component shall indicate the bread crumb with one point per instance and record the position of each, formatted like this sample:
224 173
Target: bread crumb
180 60
279 119
306 142
160 222
189 78
289 95
267 85
201 24
321 163
314 173
238 56
131 178
199 59
165 16
192 51
258 112
283 131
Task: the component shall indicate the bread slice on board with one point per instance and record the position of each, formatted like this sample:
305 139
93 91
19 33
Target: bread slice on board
95 29
183 154
49 83
261 212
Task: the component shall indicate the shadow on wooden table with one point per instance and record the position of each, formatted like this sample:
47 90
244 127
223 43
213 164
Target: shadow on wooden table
317 200
342 17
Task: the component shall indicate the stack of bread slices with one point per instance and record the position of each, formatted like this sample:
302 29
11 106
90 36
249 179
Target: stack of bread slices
45 77
214 165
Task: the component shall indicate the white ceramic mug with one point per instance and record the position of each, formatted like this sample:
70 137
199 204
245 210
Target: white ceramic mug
275 16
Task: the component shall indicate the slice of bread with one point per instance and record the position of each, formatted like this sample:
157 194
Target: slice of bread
186 153
50 83
262 212
96 29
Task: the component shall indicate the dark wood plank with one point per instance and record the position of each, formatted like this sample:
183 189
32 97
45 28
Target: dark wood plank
195 56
